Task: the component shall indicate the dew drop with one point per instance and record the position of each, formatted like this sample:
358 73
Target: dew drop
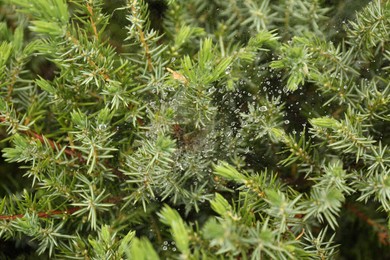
102 127
263 108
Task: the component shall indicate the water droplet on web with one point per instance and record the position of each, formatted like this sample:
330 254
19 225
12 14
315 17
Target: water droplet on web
212 90
263 108
102 127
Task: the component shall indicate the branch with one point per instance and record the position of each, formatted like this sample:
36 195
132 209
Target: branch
55 145
42 214
10 87
68 151
93 25
143 41
52 213
52 144
103 73
382 231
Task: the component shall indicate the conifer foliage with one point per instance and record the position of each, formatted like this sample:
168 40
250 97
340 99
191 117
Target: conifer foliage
222 129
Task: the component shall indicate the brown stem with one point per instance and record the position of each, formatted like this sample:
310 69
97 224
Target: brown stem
42 214
92 21
52 144
103 73
10 87
55 146
51 213
143 41
382 231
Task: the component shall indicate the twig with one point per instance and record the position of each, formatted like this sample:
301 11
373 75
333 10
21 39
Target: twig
55 146
143 41
382 231
42 214
70 211
104 73
92 21
10 87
